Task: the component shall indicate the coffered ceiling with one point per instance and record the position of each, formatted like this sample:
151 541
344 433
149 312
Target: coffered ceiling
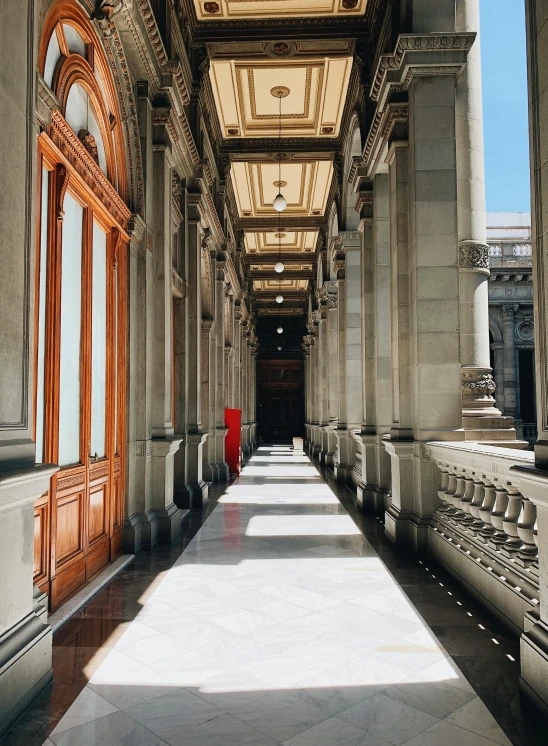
291 241
312 104
305 185
231 10
280 286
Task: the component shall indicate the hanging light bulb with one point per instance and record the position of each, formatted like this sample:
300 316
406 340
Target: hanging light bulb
279 299
279 267
279 203
280 330
278 348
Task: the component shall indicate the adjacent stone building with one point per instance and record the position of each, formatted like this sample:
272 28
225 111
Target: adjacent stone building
511 327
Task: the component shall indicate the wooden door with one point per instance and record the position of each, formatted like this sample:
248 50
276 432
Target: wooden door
78 523
280 400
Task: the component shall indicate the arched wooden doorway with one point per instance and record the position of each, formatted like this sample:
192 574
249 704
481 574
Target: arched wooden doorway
80 340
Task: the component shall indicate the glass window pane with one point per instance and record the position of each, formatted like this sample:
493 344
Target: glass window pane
71 314
42 317
75 42
99 342
52 55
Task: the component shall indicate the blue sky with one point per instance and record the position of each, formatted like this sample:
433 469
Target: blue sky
505 105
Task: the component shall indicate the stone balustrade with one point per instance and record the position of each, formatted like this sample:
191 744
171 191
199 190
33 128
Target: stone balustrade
484 529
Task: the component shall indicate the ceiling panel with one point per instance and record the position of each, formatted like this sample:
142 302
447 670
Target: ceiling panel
291 241
312 107
231 10
306 187
275 286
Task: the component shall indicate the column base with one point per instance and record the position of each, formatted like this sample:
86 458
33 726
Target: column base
329 445
534 662
223 471
25 659
26 639
169 523
140 531
345 456
193 495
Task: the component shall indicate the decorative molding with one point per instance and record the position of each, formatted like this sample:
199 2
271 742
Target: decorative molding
76 154
483 385
474 256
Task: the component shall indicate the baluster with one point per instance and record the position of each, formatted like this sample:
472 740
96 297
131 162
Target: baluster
485 513
510 523
443 506
448 496
466 502
497 517
526 531
456 498
477 501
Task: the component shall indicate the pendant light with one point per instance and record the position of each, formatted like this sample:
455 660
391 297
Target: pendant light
280 202
279 299
280 330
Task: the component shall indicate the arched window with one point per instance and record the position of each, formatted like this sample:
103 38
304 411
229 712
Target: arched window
80 353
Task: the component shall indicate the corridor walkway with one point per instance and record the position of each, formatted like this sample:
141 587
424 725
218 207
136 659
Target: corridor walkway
278 624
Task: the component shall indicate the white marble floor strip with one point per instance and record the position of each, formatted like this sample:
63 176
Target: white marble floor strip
279 624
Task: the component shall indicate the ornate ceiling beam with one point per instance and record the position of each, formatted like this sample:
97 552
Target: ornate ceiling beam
288 274
298 257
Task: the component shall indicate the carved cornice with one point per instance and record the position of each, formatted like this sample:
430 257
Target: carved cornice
76 154
474 256
381 129
411 56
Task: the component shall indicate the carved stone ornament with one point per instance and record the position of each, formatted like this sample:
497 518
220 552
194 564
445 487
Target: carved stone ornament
474 256
349 4
211 8
484 385
104 9
525 331
280 48
327 130
90 144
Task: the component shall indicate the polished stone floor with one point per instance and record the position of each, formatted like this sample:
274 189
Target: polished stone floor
282 616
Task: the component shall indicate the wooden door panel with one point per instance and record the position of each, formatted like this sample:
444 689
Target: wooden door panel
41 542
97 517
70 528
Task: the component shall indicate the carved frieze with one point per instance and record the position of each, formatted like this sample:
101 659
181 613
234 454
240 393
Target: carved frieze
482 385
474 256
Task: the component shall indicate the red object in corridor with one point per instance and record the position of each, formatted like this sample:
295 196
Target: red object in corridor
233 440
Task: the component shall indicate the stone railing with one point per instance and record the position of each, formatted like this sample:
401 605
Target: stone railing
489 524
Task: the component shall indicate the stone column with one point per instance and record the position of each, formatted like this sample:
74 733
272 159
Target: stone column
245 389
364 473
208 396
332 370
220 429
316 386
509 360
253 394
140 530
237 397
306 384
164 446
348 267
323 375
401 446
195 491
382 341
534 641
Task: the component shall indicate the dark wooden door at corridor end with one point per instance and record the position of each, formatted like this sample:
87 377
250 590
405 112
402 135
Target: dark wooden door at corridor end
281 411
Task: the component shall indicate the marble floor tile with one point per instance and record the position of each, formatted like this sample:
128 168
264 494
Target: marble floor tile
332 732
443 733
88 706
475 716
278 618
384 719
113 730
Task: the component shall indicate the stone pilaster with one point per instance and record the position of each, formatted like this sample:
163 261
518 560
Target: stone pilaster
220 429
140 530
208 396
509 362
164 445
348 266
